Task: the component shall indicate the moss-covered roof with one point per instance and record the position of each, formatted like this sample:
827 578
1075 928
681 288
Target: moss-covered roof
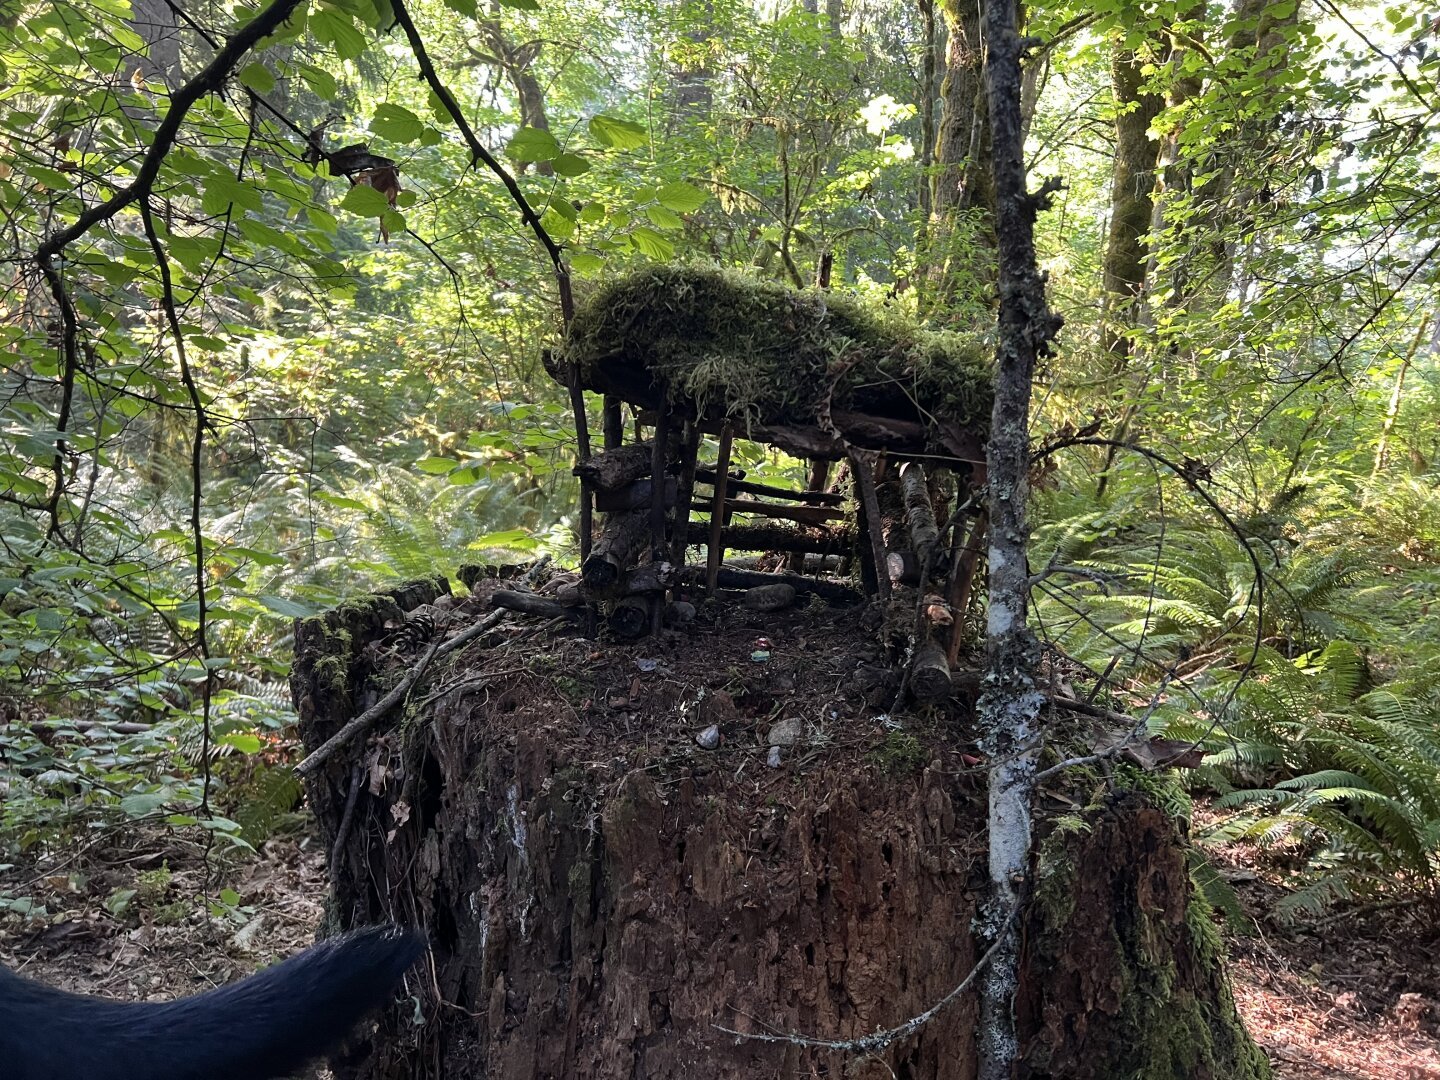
758 351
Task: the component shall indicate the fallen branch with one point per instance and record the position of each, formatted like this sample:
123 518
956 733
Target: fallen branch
366 720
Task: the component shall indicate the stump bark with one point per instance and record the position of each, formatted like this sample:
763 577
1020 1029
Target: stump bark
603 895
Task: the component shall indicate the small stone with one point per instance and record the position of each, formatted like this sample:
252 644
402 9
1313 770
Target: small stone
773 760
786 732
709 739
769 597
679 613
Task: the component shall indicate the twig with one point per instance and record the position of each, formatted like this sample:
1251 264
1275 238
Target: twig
347 818
366 720
1139 726
880 1040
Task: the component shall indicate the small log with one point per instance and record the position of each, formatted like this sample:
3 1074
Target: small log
749 487
770 597
651 577
715 551
620 540
865 489
629 618
834 592
806 515
919 512
634 497
530 604
930 674
777 538
611 470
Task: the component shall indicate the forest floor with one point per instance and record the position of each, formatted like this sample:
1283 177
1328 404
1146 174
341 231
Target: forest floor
1355 997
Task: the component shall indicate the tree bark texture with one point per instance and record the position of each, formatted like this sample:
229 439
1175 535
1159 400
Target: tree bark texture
961 235
1010 703
1132 190
602 896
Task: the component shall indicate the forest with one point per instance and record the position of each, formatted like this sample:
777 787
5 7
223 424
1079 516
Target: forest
310 302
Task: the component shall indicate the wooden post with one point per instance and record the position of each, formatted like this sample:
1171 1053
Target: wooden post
582 454
870 503
819 473
962 581
614 424
658 546
684 492
658 451
717 510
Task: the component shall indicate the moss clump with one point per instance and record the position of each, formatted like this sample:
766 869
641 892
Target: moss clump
900 753
760 352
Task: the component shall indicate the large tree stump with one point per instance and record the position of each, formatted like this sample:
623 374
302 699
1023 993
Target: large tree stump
603 894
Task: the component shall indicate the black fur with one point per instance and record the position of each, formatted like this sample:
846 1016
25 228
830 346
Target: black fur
259 1028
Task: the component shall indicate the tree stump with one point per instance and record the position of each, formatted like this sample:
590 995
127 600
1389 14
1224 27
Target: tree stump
603 895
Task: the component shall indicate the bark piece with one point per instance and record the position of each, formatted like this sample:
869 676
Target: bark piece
611 470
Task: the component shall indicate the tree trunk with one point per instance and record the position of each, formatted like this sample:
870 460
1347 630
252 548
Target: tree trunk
517 62
961 235
1131 202
1010 703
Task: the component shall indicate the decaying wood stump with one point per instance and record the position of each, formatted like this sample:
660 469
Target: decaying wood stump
603 895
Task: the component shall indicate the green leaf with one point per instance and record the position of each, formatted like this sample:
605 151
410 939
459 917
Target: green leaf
510 538
222 191
242 741
436 466
291 609
592 212
651 243
137 806
53 179
336 28
585 264
521 5
364 200
662 218
257 77
557 225
621 134
396 123
571 165
533 144
464 7
681 197
392 221
321 82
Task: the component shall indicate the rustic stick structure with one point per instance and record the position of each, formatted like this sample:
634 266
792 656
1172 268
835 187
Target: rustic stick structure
697 352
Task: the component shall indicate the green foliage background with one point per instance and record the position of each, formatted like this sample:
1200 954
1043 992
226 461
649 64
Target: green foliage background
282 387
